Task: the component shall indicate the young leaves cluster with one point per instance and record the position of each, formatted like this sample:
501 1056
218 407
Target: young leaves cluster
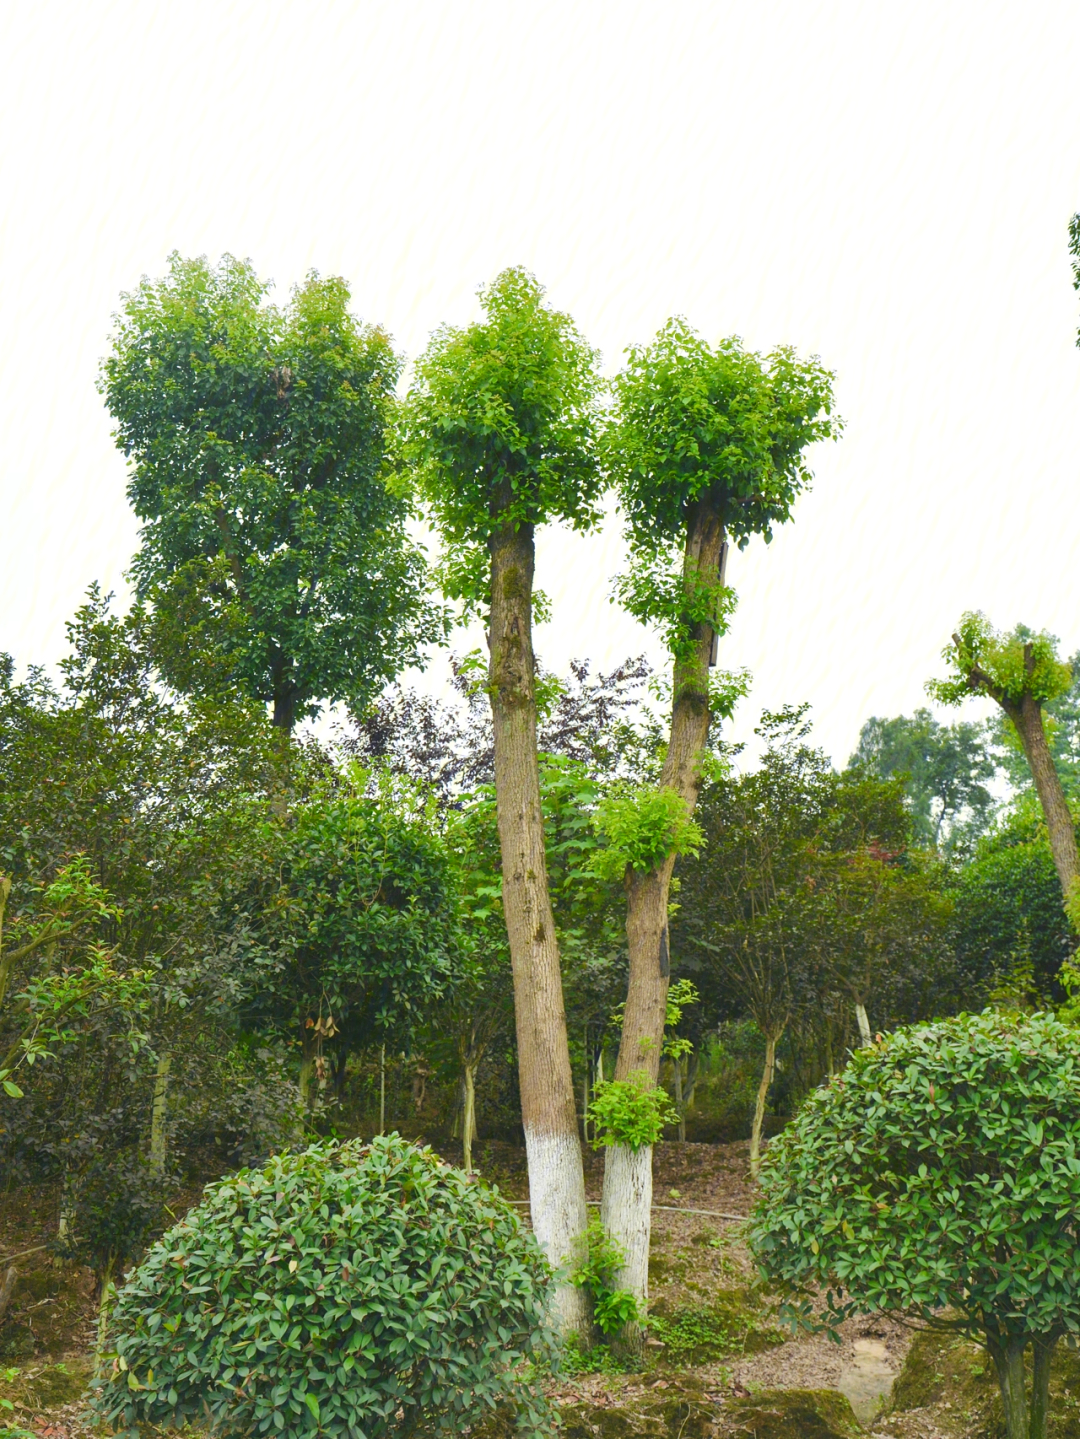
642 827
1005 666
631 1112
345 1290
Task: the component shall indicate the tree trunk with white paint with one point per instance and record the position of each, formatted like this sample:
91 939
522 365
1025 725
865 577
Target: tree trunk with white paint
626 1214
468 1118
548 1107
762 1099
648 894
863 1021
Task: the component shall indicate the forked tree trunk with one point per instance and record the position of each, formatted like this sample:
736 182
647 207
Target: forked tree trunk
1008 1357
548 1109
647 909
1027 718
771 1040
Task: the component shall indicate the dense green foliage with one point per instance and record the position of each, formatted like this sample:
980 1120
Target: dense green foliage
940 1170
348 1290
353 926
256 434
693 424
500 427
945 769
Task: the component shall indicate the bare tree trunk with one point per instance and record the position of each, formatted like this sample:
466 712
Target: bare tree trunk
762 1098
159 1112
863 1021
468 1120
1008 1357
1027 718
676 1075
1043 1353
647 902
7 1289
548 1108
382 1088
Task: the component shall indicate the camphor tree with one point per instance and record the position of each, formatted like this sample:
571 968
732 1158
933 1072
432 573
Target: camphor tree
945 770
703 443
256 437
500 429
939 1176
1021 672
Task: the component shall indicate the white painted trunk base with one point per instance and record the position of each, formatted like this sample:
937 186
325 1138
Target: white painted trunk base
559 1219
626 1214
863 1021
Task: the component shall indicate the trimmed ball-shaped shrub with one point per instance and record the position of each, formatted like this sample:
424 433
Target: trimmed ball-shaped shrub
352 1289
940 1171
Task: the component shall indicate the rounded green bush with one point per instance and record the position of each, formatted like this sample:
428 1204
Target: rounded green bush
939 1172
352 1289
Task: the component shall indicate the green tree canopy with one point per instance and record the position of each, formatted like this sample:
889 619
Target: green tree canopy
1021 672
353 922
256 435
945 769
501 426
696 426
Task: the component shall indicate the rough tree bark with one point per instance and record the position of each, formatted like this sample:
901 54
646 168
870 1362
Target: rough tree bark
627 1197
1027 719
1008 1356
548 1111
1043 1353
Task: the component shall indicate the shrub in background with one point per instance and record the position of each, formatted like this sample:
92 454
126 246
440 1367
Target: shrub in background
941 1171
351 1289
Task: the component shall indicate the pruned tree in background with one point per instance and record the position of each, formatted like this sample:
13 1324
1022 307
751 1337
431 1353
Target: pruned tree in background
1021 672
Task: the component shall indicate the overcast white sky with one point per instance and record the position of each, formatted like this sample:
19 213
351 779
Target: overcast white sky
886 185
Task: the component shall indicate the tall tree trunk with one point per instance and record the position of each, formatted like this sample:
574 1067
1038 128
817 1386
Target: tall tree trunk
468 1119
548 1109
863 1021
628 1207
1008 1356
159 1113
758 1125
382 1088
1027 718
